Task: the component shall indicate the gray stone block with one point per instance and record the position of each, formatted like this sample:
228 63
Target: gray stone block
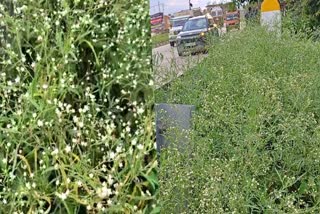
173 122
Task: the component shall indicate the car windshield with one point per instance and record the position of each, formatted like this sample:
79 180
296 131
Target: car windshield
231 17
178 23
195 24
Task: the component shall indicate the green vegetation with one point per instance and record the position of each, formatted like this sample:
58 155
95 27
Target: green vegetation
255 142
160 38
305 17
76 121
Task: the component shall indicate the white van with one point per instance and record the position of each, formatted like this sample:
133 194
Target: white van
177 24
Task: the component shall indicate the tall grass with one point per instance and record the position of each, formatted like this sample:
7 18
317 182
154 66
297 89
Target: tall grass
255 139
76 122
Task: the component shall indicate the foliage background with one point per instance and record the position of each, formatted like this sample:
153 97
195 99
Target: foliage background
76 121
305 17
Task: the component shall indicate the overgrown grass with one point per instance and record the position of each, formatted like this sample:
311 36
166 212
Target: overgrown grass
256 131
76 120
159 38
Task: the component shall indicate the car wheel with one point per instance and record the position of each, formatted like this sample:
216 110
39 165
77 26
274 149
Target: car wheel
172 44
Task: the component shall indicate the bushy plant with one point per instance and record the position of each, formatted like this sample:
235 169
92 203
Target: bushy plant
76 120
304 18
255 138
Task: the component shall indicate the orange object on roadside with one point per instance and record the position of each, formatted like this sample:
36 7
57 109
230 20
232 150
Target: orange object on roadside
270 5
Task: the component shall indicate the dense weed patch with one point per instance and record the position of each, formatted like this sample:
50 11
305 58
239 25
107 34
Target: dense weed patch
76 121
256 132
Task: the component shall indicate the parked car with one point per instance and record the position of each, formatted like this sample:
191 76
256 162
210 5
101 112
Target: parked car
176 26
193 36
232 20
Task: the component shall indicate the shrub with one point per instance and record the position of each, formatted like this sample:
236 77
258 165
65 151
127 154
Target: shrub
304 18
255 137
76 121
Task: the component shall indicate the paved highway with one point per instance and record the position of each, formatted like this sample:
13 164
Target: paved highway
167 65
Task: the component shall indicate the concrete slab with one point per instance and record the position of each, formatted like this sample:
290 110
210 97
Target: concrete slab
173 123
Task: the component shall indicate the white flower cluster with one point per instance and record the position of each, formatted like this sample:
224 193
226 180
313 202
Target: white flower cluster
73 99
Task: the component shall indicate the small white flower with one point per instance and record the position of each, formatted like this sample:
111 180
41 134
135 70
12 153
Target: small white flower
63 196
40 123
104 192
91 175
99 205
112 155
140 146
45 86
109 202
28 185
75 119
55 151
140 110
68 148
81 124
118 149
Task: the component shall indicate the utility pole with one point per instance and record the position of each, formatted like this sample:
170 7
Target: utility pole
190 5
159 6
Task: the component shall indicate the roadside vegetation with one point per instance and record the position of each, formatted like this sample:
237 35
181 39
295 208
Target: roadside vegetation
305 17
76 121
159 39
255 141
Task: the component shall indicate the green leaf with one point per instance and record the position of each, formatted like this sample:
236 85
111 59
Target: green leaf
152 178
156 210
93 51
303 187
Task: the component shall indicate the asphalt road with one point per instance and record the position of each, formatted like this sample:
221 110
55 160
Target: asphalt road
167 64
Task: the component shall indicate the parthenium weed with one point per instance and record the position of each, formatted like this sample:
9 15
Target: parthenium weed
255 130
76 123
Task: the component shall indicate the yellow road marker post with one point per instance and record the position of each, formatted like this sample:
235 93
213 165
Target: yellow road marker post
271 15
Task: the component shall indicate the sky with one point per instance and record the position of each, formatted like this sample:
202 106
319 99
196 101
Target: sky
171 6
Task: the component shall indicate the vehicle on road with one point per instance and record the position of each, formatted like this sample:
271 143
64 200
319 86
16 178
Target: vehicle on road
232 20
193 37
217 15
177 24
